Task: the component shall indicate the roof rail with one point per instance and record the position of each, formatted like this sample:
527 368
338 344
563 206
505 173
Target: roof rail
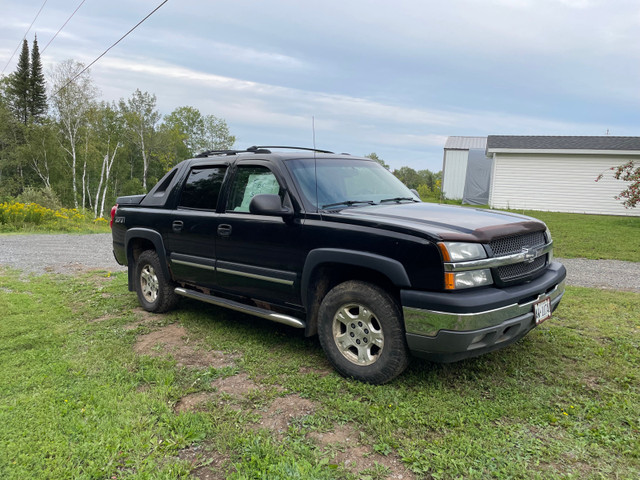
256 148
217 152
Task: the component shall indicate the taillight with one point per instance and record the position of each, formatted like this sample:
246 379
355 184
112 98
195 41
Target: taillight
113 214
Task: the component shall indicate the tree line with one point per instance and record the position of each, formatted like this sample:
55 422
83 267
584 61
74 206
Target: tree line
74 149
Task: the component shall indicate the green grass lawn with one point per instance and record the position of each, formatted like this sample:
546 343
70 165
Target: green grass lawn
593 236
78 401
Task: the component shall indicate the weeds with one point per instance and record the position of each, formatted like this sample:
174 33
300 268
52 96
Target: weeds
29 217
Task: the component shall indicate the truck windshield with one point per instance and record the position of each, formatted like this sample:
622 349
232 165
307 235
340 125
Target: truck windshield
344 182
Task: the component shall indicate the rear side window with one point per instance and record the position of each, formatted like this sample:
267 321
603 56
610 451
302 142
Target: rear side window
202 188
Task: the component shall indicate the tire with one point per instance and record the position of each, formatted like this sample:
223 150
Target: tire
361 331
155 291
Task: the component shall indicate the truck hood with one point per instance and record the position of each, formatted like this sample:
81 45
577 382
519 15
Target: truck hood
445 222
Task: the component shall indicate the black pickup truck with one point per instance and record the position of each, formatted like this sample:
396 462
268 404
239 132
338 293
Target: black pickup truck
337 246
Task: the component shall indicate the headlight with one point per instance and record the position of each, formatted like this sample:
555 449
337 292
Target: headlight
467 279
461 252
454 252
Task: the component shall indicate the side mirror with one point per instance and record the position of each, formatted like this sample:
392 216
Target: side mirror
268 204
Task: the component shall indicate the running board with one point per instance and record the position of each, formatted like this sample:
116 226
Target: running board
241 307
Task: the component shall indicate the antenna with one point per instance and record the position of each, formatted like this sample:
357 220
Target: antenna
313 130
315 159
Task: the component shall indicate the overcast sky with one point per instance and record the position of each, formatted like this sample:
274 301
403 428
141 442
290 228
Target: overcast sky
392 77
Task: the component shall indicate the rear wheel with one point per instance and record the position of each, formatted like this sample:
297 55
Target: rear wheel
155 291
361 331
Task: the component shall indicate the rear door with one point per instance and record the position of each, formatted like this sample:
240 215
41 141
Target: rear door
192 234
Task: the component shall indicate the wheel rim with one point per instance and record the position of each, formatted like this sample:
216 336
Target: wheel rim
149 283
358 334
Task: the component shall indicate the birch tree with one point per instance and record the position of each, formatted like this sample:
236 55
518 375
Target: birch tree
108 125
70 102
141 118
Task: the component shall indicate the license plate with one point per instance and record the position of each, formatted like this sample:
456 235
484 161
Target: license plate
542 310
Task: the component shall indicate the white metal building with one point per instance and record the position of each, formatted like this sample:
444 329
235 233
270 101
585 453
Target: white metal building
552 173
454 164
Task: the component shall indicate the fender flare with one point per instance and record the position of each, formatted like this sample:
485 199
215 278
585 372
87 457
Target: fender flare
392 269
155 238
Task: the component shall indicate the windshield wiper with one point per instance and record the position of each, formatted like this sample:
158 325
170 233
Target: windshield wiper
398 199
349 203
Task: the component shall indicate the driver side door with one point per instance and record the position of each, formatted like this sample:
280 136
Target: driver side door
258 256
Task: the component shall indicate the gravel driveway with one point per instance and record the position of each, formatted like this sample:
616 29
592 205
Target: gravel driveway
58 253
69 253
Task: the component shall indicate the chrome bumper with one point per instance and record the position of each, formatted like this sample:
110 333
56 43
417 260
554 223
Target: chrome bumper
429 322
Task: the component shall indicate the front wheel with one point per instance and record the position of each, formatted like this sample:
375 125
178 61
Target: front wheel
155 291
361 331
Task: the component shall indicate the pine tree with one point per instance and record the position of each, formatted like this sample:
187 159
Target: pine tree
38 92
19 86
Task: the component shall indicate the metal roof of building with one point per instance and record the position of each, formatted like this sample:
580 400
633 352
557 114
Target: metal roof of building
522 142
465 143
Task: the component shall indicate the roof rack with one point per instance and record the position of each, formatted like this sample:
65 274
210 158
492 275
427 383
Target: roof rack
217 152
256 149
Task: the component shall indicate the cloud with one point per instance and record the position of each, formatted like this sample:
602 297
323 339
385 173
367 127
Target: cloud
260 103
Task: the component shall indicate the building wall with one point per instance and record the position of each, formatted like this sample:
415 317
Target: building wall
558 183
454 173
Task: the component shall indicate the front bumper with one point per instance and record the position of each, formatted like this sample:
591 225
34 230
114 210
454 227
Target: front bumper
448 327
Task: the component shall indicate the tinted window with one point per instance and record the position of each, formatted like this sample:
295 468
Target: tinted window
248 182
202 188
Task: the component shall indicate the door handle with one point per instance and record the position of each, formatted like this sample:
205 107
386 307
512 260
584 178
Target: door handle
224 230
177 226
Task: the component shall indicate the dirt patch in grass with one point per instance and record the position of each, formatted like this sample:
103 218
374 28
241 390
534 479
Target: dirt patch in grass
174 340
206 464
278 415
193 402
321 370
144 318
104 318
237 385
344 447
283 411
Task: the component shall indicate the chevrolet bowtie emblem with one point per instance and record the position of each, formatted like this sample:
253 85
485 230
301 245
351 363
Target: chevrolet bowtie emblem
530 254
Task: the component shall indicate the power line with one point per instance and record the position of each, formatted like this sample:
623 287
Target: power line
63 25
107 50
25 36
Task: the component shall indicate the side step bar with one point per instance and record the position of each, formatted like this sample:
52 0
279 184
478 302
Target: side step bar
241 307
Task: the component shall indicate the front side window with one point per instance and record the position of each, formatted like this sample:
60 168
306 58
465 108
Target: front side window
202 188
250 181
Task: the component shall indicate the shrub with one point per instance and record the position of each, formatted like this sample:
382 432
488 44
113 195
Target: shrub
45 197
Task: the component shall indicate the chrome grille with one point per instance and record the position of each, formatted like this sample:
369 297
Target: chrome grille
514 271
512 245
515 243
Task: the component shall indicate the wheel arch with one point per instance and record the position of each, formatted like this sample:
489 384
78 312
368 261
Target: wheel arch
137 240
327 267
